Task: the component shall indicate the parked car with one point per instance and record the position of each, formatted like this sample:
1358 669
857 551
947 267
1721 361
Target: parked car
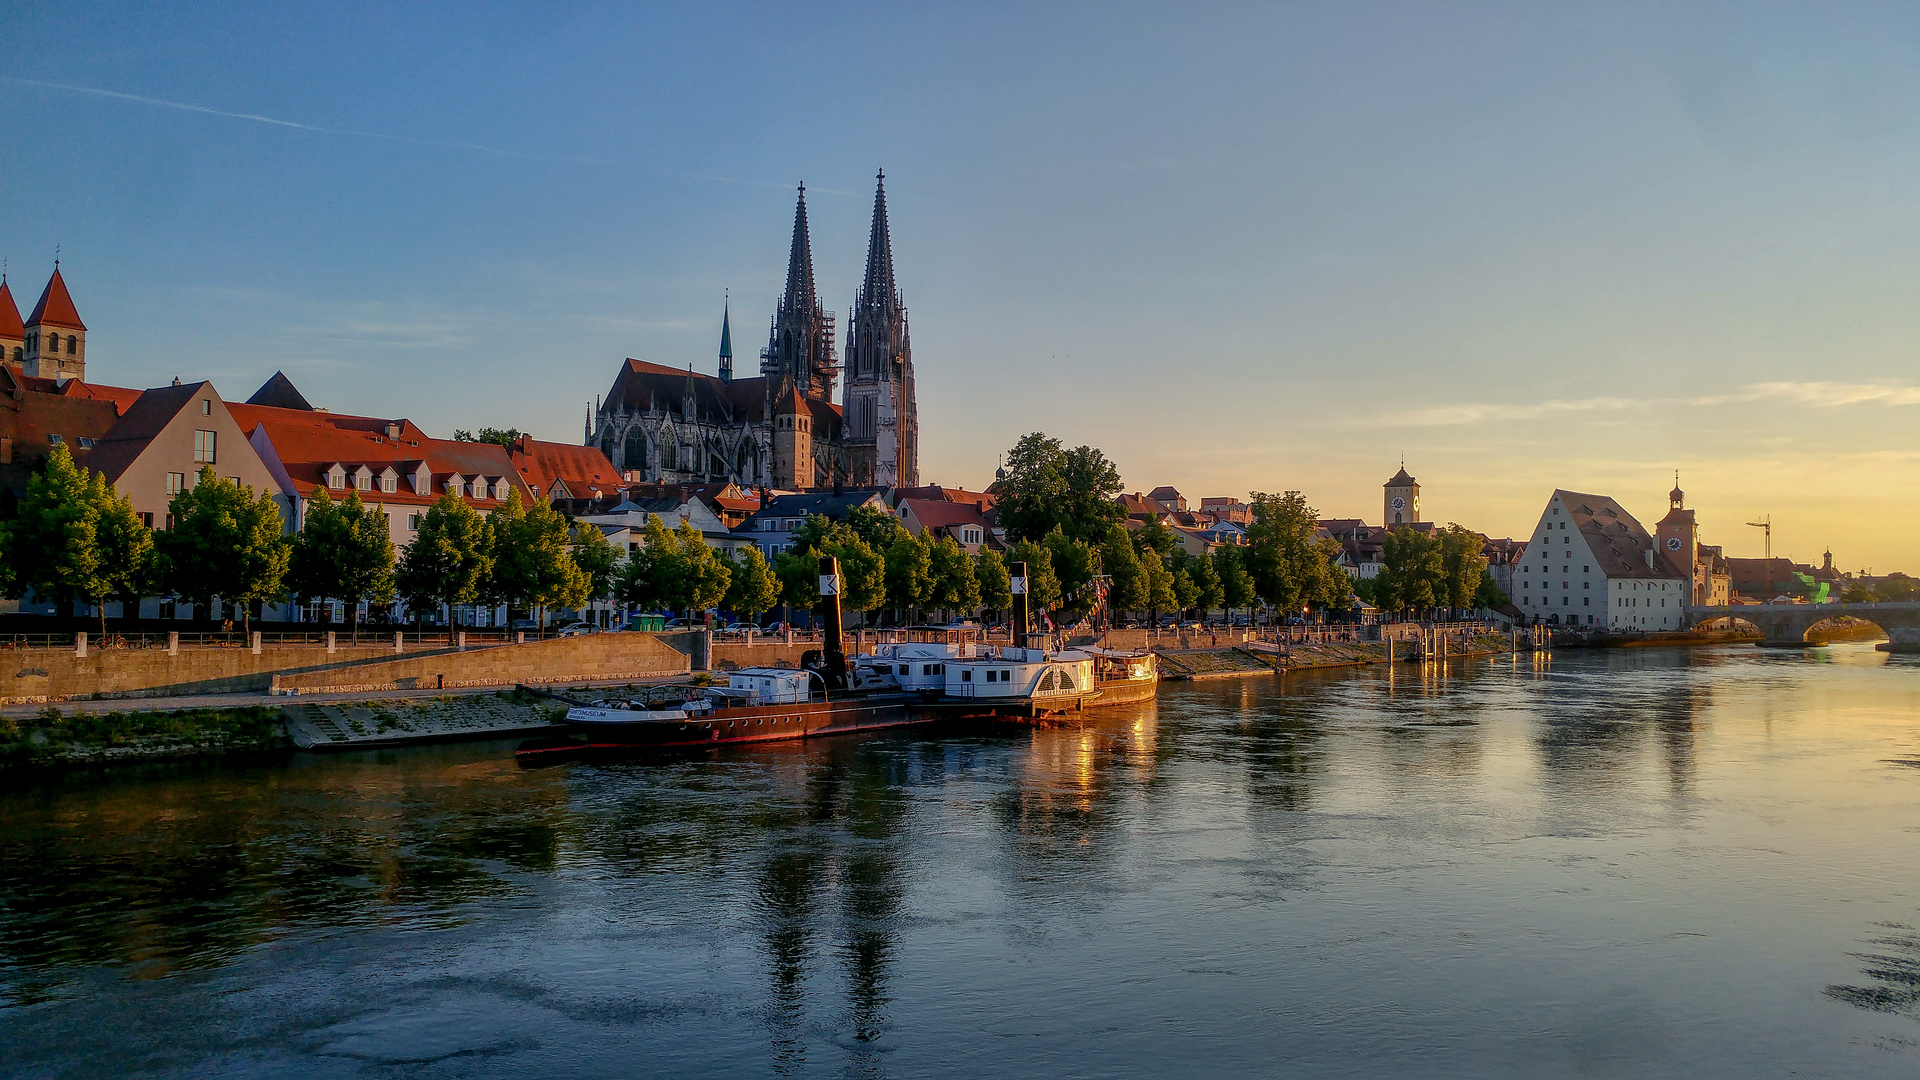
573 629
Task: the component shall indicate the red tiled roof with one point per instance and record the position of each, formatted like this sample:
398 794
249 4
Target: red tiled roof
149 415
121 397
29 415
307 444
10 324
949 494
937 514
56 307
584 470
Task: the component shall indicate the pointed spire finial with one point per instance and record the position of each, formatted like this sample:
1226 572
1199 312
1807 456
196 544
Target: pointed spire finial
56 256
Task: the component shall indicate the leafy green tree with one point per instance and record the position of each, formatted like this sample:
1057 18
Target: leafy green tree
344 551
1205 580
497 436
1048 486
1161 595
448 561
224 541
1127 578
74 537
640 582
1489 594
863 573
695 579
952 586
1462 563
1043 587
597 558
799 575
751 587
1412 573
990 573
1157 538
1236 588
1073 563
909 573
1185 593
533 559
873 526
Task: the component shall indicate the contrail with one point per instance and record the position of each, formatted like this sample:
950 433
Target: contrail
446 144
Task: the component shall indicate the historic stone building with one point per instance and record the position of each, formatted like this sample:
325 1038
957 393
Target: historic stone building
780 429
52 342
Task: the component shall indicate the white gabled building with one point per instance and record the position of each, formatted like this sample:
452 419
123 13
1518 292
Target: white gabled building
1589 563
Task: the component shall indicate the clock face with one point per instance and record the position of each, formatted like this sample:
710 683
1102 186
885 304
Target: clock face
1399 503
1673 543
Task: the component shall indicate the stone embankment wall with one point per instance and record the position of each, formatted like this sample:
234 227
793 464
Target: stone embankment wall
589 657
31 676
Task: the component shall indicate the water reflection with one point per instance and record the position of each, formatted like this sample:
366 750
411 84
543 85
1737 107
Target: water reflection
1389 870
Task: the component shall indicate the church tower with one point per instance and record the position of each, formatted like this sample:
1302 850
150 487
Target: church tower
1402 504
56 339
882 421
13 333
726 342
1678 535
800 348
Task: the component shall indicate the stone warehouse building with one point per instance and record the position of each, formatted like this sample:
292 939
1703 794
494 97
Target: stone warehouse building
781 429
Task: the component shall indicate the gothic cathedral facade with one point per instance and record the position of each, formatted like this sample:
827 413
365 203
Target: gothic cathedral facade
781 429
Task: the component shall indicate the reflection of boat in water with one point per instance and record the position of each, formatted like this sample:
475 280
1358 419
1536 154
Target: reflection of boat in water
756 705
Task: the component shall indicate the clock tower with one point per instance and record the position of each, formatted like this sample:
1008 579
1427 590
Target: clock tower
1402 505
1678 537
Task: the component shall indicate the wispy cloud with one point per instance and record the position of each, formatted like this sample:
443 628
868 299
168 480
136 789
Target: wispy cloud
446 144
1449 415
1828 395
1821 395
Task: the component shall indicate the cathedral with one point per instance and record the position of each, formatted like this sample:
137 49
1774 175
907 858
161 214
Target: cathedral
781 429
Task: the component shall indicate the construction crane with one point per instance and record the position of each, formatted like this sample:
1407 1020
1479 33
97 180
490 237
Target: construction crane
1765 524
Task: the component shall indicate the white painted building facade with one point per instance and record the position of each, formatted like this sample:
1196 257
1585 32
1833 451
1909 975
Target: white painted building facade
1591 564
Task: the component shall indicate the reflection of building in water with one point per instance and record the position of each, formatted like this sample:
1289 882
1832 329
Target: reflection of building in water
834 845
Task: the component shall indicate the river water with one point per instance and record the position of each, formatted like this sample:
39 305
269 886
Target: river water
1629 863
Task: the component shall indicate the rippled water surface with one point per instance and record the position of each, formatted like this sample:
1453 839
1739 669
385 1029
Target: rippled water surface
1635 863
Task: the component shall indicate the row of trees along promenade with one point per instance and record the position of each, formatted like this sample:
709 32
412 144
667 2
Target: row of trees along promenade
73 536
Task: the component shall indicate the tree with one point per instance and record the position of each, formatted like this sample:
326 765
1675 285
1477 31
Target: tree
951 584
223 541
990 572
863 573
1412 571
343 552
597 558
1236 588
448 561
497 436
641 577
873 526
533 559
1488 594
1043 588
1155 537
909 572
1161 595
1461 566
751 589
74 537
695 579
1072 562
1207 591
1127 579
1047 486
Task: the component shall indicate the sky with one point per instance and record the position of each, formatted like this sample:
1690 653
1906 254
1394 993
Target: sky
1238 248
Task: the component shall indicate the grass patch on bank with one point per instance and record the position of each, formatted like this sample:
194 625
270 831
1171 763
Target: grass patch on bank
53 737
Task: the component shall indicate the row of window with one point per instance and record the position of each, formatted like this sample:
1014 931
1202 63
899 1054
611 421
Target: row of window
53 345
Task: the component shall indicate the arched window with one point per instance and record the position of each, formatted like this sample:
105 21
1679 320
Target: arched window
19 354
73 345
634 455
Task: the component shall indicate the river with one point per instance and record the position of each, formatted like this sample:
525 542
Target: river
1623 863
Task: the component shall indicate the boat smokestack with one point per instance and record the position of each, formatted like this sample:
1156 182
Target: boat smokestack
832 647
1017 580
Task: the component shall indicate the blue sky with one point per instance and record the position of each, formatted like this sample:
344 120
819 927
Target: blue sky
1259 247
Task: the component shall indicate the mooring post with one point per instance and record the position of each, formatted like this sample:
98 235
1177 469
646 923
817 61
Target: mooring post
399 640
1021 617
80 643
331 646
256 643
173 643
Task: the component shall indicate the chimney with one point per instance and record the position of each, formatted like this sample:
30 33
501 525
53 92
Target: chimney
393 430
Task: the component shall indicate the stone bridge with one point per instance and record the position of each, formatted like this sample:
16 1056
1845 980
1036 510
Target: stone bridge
1787 624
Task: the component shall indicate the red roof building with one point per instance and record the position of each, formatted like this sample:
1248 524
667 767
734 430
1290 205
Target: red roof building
560 471
56 339
13 332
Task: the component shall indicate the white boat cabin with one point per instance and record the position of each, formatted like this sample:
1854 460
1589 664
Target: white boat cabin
1010 673
770 686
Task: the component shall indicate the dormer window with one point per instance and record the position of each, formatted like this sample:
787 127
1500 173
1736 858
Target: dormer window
336 478
54 440
389 484
363 482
